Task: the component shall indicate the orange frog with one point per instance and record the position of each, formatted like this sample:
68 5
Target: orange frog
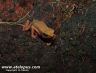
39 30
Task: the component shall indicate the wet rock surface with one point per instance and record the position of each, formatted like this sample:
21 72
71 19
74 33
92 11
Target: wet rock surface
74 50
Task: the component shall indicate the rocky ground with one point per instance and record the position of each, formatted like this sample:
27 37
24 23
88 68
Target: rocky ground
74 50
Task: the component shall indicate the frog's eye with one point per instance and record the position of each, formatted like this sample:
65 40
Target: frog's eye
45 35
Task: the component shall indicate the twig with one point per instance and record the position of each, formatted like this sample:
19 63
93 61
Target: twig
17 22
21 19
9 23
